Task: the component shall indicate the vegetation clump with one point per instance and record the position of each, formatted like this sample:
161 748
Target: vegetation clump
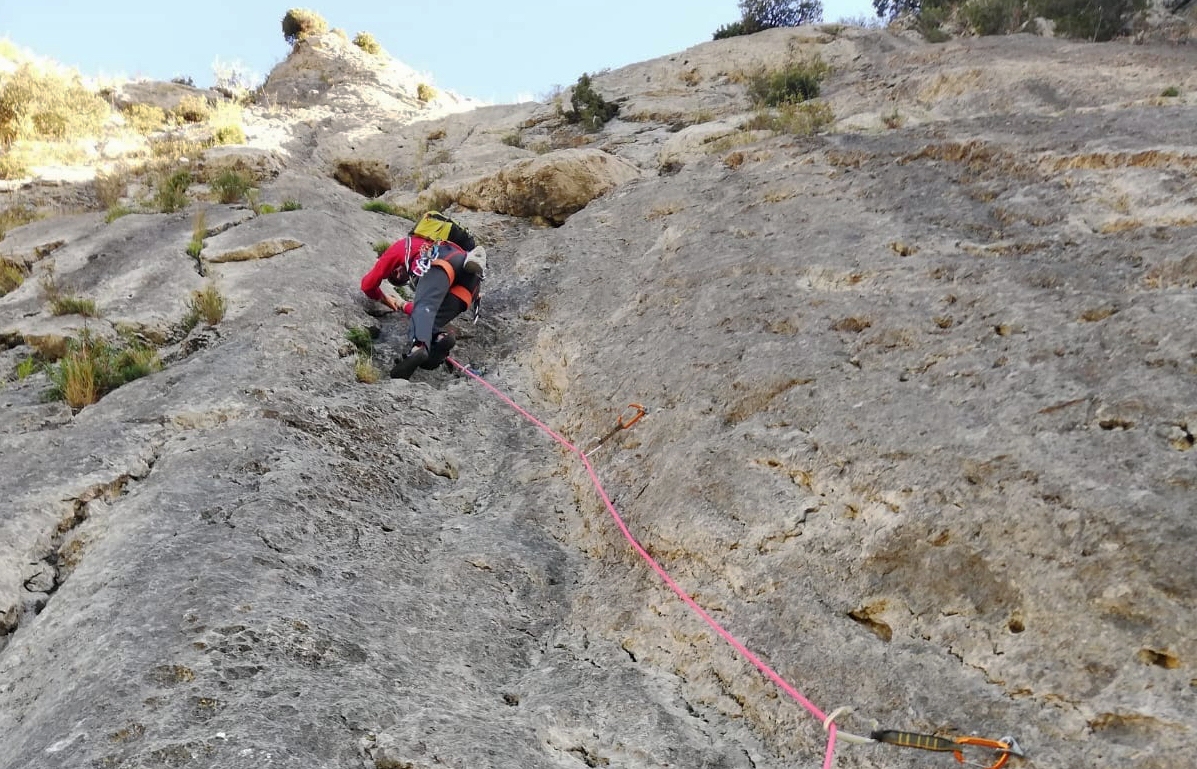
41 106
758 15
92 367
794 83
300 24
589 108
230 186
12 275
172 191
367 43
207 304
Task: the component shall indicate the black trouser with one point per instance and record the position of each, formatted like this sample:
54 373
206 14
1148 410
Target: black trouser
434 307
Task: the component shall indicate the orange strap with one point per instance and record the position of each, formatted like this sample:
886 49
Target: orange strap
447 267
462 293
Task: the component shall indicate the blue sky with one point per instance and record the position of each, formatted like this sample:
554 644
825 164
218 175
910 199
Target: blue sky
496 51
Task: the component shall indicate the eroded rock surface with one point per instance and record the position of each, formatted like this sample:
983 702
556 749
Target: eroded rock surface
920 432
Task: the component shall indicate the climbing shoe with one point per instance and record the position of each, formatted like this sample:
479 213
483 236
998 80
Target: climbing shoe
442 343
475 261
404 367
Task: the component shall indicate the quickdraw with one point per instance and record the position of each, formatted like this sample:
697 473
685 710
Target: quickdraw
630 416
1002 749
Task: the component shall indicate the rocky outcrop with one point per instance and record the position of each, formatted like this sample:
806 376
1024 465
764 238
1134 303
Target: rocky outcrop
919 432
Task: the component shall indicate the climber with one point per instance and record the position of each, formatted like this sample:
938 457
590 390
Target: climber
446 279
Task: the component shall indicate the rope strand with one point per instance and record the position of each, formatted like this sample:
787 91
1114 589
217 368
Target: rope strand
828 723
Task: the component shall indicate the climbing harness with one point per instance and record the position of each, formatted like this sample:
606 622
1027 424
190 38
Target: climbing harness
1003 748
630 416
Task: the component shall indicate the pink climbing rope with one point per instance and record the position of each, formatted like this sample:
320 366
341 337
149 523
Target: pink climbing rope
771 674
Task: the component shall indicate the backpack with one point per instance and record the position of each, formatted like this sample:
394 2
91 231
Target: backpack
437 227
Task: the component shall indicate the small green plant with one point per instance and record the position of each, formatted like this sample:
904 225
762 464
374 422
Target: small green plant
27 368
1170 92
367 43
253 196
380 246
198 230
380 207
172 191
513 139
589 108
12 275
425 92
300 24
207 304
292 205
361 339
230 186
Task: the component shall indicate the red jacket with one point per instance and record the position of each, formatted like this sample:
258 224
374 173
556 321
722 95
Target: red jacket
395 263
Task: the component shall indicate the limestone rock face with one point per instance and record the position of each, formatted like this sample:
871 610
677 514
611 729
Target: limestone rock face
550 187
919 433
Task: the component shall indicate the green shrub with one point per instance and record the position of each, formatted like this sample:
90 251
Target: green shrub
513 139
425 92
367 43
230 186
172 191
229 134
756 15
380 246
93 367
993 17
47 107
300 24
1096 20
380 207
589 108
794 83
292 205
1170 92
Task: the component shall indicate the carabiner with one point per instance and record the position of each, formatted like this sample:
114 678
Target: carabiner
1005 747
637 411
